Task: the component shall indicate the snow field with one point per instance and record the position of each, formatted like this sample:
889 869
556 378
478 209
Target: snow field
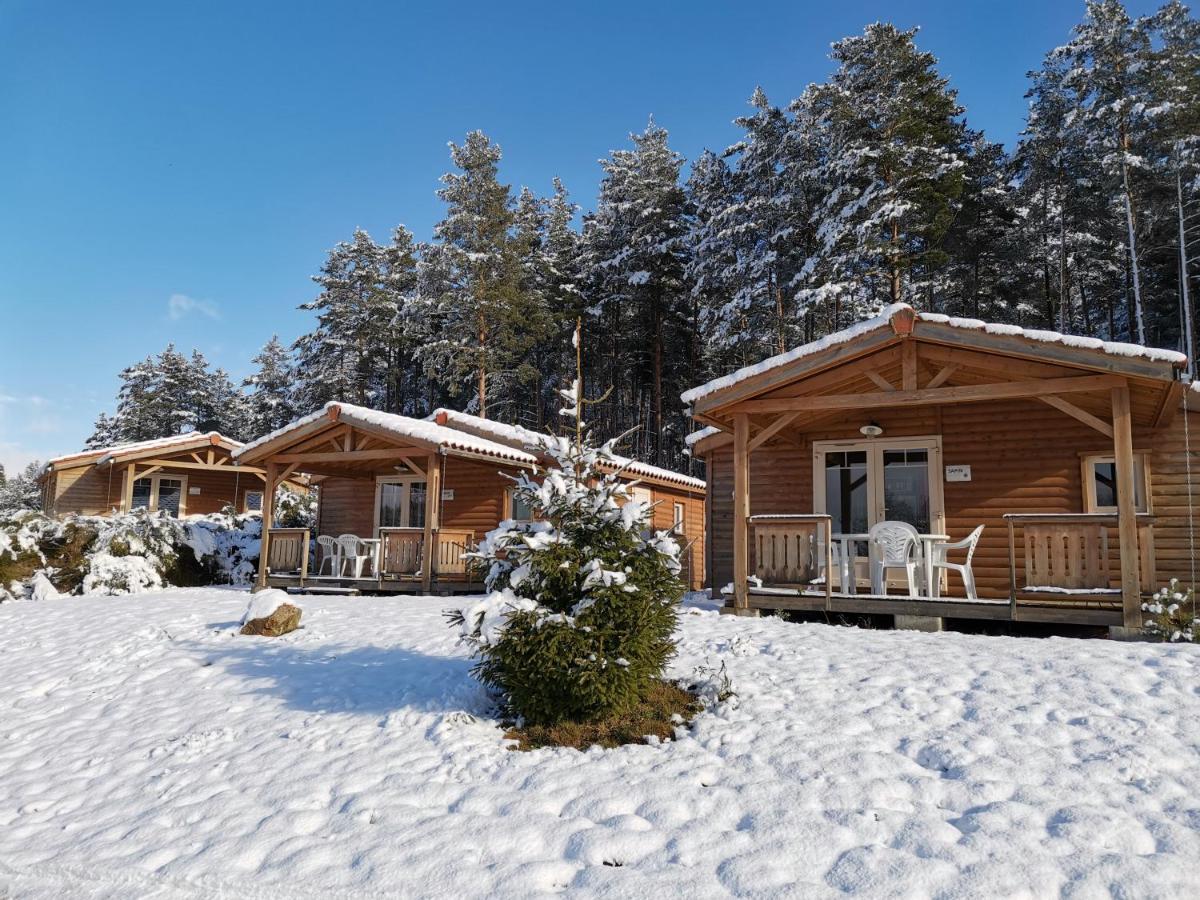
146 750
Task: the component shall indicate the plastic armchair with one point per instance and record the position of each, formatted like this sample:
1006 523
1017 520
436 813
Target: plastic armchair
349 551
894 545
329 552
940 561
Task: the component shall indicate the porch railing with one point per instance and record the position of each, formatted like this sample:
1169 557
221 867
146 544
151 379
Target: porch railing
793 551
287 551
402 553
1074 554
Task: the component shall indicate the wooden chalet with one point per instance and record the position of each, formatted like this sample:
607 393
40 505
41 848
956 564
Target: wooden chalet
394 485
947 425
183 475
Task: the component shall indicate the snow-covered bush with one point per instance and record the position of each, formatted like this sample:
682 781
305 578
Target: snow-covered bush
1172 614
123 554
295 510
582 603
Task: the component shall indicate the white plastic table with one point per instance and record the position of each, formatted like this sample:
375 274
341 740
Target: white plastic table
928 542
373 545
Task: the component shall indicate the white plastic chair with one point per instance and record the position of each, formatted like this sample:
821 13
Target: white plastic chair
894 545
328 547
349 550
940 561
839 568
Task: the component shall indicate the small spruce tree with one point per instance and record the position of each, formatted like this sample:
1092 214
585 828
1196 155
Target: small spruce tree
578 623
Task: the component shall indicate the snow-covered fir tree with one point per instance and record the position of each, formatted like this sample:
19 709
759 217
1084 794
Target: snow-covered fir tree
269 400
894 166
634 249
583 601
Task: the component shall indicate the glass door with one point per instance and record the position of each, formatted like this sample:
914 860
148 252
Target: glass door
399 503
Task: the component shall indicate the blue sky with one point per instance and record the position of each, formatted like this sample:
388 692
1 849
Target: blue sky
176 172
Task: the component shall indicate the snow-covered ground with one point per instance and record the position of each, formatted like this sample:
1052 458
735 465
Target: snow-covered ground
147 750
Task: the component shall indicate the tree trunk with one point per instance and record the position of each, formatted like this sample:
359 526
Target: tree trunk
896 283
1139 318
656 388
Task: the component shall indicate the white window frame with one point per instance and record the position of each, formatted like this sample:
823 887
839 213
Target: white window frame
405 504
875 448
1141 469
262 495
679 511
154 482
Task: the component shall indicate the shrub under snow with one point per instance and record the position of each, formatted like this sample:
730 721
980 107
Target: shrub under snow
41 557
579 620
1172 614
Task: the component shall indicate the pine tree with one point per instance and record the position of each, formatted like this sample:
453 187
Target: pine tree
634 249
478 310
583 602
21 491
894 168
1106 70
269 403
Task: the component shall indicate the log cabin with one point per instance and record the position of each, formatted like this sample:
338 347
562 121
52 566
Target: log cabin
397 485
948 425
182 475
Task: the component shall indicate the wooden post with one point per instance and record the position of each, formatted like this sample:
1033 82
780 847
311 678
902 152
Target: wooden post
268 521
126 488
433 493
908 365
741 510
1131 586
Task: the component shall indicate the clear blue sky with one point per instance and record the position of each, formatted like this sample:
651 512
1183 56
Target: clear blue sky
212 152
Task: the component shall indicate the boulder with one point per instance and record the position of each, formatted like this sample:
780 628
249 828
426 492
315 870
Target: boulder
285 618
270 614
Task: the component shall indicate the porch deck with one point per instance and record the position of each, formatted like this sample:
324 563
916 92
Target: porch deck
1062 571
803 600
392 584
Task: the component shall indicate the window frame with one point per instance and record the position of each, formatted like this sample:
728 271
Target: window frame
154 480
509 512
875 448
246 502
405 501
1141 469
679 513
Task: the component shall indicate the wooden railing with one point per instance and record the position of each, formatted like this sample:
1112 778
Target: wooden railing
401 551
287 551
793 551
1074 554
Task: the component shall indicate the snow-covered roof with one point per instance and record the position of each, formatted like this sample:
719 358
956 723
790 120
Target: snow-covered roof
103 455
697 436
421 430
846 335
518 436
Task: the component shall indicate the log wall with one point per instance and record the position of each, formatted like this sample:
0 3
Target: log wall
1025 457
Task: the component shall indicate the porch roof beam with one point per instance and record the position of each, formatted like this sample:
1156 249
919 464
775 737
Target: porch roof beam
1082 415
975 393
342 456
179 464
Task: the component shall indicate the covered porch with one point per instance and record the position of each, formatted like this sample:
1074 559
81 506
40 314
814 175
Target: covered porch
383 494
1004 453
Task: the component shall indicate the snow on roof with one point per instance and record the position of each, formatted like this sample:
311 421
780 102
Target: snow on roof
107 454
846 335
697 436
518 436
402 426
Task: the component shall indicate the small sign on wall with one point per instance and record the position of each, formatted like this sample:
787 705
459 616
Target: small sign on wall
193 491
447 494
958 473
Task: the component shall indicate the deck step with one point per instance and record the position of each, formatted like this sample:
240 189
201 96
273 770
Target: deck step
326 589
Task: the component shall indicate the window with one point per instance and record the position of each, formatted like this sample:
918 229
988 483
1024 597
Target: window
519 510
159 492
679 519
253 501
1100 484
399 502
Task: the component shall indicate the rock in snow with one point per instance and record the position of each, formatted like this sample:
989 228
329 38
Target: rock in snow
146 752
270 614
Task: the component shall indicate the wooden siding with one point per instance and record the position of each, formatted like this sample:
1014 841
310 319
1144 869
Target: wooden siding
96 490
480 502
1025 457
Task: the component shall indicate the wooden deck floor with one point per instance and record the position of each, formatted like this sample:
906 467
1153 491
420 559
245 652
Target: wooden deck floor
378 585
1056 612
